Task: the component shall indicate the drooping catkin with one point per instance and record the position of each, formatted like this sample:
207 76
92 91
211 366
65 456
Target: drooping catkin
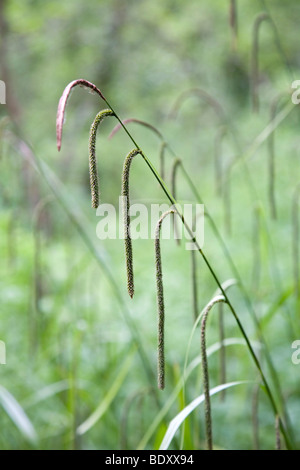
160 304
261 17
63 103
126 219
277 433
208 421
92 156
176 164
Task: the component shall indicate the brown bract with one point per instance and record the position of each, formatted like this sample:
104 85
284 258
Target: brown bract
63 102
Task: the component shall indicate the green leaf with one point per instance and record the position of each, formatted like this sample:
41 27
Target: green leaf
17 415
180 417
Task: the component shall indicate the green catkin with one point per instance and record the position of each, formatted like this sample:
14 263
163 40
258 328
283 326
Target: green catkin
126 219
277 433
92 156
208 422
254 60
176 164
160 305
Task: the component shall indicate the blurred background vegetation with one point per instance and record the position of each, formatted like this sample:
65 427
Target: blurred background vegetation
77 347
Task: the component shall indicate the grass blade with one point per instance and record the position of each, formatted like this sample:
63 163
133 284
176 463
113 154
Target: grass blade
179 419
109 397
17 415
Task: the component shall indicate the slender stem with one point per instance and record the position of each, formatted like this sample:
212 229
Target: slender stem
295 240
255 55
256 250
176 164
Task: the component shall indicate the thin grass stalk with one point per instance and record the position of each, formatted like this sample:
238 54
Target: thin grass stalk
38 285
162 159
60 116
92 156
256 269
208 421
222 354
286 61
255 418
271 159
154 129
254 60
124 122
227 201
125 416
176 164
160 304
233 21
126 220
12 239
218 160
271 164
